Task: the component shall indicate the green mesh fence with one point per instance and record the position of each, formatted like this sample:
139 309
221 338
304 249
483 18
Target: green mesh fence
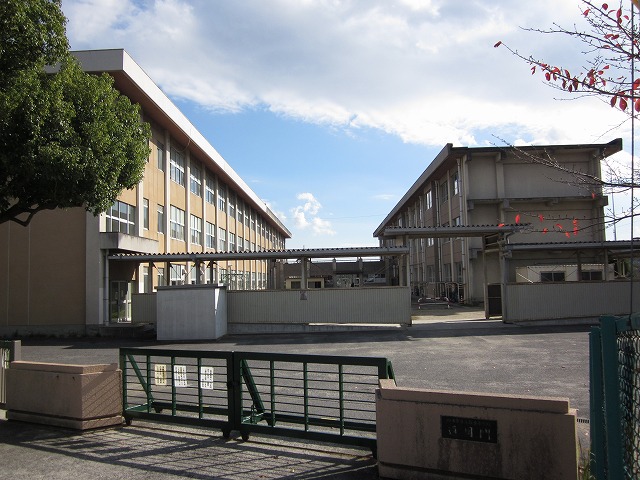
614 359
629 381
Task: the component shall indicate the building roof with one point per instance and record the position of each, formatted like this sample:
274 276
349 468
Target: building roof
612 245
133 82
449 153
263 255
455 231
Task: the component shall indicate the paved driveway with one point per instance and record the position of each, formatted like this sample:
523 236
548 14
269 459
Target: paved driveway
449 349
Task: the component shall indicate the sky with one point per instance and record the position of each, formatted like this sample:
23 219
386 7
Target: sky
331 109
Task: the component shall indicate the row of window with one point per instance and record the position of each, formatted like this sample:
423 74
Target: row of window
414 216
121 217
236 207
234 279
177 229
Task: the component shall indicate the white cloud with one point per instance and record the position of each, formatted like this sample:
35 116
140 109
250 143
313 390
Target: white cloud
305 216
424 70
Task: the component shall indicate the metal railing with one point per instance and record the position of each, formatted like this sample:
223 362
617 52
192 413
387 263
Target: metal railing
317 397
10 350
615 398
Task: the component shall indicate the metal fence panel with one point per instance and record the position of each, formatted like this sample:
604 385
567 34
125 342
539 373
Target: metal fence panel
330 398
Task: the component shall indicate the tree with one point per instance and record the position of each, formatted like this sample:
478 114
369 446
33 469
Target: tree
67 138
611 56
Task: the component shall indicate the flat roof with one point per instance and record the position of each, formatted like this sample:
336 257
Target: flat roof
455 231
449 151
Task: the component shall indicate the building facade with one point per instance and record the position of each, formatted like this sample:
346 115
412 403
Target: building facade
55 274
471 202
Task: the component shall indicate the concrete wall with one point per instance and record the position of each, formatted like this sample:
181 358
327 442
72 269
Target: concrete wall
144 308
568 300
426 434
379 305
70 396
191 312
42 274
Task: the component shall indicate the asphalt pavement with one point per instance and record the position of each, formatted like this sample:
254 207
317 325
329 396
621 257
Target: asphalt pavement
444 349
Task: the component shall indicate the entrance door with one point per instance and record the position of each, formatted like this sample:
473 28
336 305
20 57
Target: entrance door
494 297
120 302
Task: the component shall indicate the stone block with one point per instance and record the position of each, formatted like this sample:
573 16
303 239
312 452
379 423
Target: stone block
424 434
72 396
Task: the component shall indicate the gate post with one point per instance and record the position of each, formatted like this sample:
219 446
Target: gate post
615 468
596 391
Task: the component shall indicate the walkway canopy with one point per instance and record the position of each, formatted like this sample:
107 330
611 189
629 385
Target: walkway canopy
302 255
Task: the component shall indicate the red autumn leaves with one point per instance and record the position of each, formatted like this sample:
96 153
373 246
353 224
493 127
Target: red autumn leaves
558 227
611 33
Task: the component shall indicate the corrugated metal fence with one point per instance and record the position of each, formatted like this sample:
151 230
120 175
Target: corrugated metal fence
567 300
379 305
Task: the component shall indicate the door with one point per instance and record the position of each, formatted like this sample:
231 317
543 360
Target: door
120 301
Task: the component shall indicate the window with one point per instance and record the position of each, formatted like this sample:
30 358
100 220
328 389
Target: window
431 274
145 213
160 218
146 280
176 223
160 277
222 239
253 220
177 166
247 245
224 277
444 192
239 210
232 242
210 190
232 205
178 274
456 222
458 271
222 197
455 184
446 272
210 235
552 276
429 241
160 152
428 201
195 177
591 275
246 215
196 230
121 217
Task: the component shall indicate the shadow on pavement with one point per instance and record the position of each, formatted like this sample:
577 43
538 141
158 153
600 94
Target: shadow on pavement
146 450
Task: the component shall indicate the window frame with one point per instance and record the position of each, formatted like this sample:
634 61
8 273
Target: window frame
176 223
177 164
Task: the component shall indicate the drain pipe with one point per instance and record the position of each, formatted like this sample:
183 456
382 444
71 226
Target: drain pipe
105 289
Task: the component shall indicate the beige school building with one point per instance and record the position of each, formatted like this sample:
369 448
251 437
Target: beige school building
56 275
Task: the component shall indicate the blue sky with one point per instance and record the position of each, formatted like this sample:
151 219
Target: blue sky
330 109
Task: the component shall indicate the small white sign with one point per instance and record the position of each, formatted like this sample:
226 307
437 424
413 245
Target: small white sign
206 378
180 375
160 375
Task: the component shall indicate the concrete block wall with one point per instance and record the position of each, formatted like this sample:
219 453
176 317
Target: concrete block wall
425 434
71 396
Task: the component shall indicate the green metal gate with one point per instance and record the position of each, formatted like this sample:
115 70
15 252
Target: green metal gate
615 398
317 397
